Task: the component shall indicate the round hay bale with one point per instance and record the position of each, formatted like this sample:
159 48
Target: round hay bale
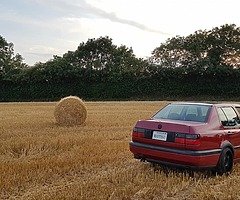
70 111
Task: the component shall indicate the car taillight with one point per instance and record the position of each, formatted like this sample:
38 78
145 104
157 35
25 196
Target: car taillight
188 139
138 132
180 138
192 139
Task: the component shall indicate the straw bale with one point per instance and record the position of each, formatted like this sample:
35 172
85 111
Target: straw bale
70 111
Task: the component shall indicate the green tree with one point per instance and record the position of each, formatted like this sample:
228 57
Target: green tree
100 60
219 47
10 64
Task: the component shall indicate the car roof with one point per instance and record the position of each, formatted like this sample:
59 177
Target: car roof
192 103
207 104
227 104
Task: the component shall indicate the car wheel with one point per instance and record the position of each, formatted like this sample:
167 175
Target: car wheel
225 162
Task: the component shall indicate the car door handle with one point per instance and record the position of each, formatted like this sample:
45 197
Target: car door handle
230 133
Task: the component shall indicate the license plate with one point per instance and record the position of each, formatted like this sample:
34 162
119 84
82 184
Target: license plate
159 135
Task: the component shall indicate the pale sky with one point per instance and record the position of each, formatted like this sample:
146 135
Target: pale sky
40 29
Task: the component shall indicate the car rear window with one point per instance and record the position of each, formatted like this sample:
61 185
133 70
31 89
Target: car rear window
184 112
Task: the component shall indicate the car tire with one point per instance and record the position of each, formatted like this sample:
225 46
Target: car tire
225 163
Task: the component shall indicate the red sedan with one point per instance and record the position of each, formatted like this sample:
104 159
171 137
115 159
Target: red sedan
195 135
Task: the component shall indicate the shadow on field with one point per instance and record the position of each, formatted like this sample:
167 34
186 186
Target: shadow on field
193 173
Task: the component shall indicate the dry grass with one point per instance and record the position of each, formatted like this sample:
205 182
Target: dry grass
40 160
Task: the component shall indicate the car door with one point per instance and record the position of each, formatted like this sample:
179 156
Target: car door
230 121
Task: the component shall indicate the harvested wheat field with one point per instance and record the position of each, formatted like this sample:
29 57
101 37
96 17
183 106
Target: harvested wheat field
41 160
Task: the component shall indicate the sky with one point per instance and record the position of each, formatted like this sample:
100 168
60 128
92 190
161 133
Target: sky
40 29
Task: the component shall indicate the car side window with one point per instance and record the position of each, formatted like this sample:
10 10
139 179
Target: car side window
222 116
238 110
231 118
230 113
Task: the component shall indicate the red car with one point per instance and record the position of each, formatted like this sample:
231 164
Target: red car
195 135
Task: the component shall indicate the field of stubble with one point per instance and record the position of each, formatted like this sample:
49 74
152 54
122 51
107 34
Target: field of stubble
40 160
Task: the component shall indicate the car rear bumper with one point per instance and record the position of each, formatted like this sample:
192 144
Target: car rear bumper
177 157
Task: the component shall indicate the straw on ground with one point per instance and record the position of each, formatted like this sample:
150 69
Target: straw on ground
41 160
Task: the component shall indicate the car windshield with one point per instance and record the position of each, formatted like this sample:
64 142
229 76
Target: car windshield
184 112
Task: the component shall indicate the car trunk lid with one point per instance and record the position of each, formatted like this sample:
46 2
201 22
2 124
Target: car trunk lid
167 133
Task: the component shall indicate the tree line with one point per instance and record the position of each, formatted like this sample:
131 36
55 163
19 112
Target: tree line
205 64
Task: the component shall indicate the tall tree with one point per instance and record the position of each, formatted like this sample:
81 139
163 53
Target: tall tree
10 64
99 59
204 49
